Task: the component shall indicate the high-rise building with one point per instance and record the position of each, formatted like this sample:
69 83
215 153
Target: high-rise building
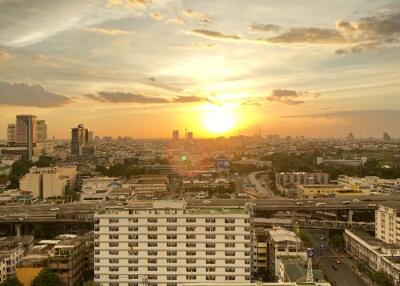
189 135
167 243
79 139
387 223
175 134
41 131
26 132
90 137
11 134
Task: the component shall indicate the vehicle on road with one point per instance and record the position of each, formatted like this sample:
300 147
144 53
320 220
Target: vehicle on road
372 205
54 209
346 202
299 203
320 204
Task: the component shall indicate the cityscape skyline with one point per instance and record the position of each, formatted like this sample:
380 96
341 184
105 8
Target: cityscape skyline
144 68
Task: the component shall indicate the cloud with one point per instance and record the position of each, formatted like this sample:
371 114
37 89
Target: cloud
158 16
214 34
308 35
387 113
22 94
45 60
204 18
340 51
366 33
5 56
189 99
125 97
251 103
111 32
291 97
129 3
256 27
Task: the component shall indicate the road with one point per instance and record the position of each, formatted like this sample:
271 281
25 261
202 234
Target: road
259 187
344 275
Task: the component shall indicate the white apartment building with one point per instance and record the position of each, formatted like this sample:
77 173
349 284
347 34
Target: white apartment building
369 182
48 182
167 243
387 223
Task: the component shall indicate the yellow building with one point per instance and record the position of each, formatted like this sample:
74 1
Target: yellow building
315 191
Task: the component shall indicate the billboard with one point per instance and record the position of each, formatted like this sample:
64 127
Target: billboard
222 163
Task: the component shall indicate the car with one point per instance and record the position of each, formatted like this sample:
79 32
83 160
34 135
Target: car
346 202
356 201
337 261
372 205
54 209
299 203
334 267
309 202
320 204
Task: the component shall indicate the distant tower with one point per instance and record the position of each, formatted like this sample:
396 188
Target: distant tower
79 139
386 137
26 132
310 275
11 134
41 131
189 135
175 134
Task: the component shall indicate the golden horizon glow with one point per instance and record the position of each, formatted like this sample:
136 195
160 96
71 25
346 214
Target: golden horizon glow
219 120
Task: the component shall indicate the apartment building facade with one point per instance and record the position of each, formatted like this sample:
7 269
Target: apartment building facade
166 243
387 223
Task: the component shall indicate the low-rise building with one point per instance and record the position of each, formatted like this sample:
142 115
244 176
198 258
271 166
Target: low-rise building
316 191
375 254
282 243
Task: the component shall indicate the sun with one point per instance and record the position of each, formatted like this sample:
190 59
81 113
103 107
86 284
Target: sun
219 121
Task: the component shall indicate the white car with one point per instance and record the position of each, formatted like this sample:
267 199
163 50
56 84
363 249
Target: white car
54 209
320 204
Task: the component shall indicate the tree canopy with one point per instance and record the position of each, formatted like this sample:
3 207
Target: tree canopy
47 278
11 282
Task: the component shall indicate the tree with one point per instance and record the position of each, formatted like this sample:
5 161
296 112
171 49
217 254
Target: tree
18 169
381 278
11 282
47 278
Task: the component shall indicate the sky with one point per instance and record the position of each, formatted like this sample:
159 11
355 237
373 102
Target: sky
142 68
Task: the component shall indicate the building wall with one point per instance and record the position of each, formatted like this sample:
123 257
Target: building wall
31 183
53 185
170 246
11 133
386 224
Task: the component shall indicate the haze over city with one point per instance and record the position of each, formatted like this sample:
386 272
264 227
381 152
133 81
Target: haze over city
143 68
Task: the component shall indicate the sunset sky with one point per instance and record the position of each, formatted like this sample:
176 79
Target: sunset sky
142 68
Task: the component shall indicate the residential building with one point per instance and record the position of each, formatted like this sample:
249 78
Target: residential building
374 253
282 243
287 182
168 243
11 134
66 255
48 182
371 183
387 223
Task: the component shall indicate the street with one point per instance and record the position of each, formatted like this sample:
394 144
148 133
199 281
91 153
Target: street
344 275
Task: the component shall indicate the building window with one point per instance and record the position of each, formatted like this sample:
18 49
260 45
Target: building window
171 219
229 220
152 236
152 228
229 278
210 236
210 220
191 219
172 244
152 219
190 253
190 260
171 228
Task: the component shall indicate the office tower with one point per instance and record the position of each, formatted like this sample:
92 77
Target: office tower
189 135
11 134
175 134
167 243
79 139
41 128
26 132
90 137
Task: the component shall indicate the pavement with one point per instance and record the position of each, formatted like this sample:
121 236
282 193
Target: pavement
344 275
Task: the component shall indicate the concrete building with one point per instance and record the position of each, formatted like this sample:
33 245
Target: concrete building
13 249
282 243
175 135
65 255
48 182
79 139
166 243
287 182
41 131
11 134
387 223
375 254
26 133
317 191
371 183
342 162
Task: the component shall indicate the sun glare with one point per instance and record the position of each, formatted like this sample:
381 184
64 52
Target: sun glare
219 121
